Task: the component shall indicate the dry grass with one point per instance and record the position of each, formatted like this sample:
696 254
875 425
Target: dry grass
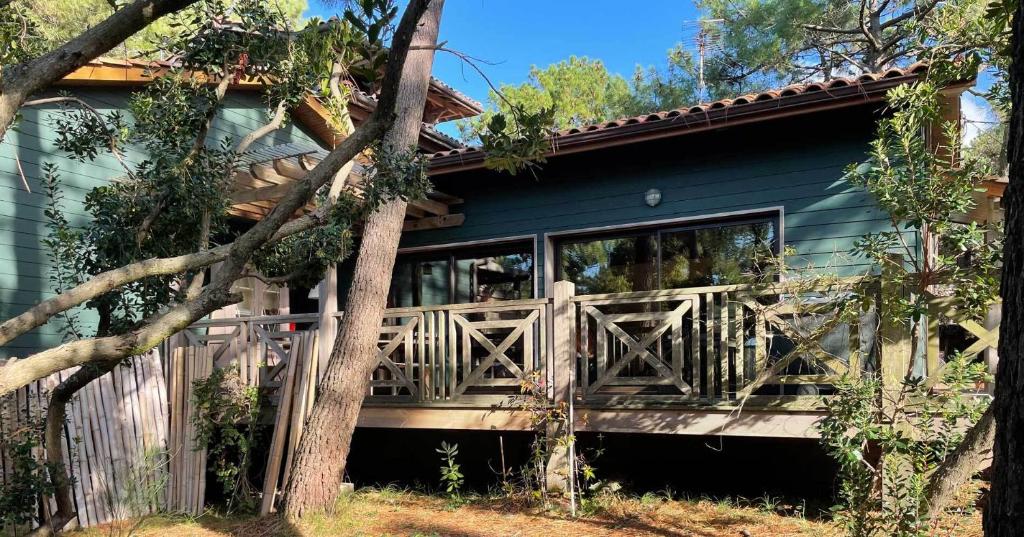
392 512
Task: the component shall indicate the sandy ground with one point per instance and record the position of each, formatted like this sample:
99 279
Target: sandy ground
395 513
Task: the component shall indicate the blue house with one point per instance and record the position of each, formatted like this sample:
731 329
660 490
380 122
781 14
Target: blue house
613 278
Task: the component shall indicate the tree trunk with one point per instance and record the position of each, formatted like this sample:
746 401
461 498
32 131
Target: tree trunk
56 414
319 466
963 463
1004 514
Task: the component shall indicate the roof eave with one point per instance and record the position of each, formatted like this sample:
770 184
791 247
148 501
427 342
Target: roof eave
596 137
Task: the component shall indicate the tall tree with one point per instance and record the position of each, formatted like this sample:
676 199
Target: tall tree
319 465
784 41
1004 513
579 91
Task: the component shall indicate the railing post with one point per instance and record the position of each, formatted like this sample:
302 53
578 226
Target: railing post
328 331
563 315
894 337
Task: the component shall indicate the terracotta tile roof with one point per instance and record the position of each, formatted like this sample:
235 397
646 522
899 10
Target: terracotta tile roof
790 100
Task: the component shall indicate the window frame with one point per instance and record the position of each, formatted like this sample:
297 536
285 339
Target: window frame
553 241
452 252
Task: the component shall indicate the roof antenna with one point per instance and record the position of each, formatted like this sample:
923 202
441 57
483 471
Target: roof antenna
707 38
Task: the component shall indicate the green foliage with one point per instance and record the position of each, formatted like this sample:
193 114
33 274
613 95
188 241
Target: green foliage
20 34
572 93
896 445
516 144
553 429
579 91
61 20
892 438
675 86
451 473
61 244
923 189
225 420
26 479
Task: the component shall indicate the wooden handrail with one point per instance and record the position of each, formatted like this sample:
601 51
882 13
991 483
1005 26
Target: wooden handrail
771 288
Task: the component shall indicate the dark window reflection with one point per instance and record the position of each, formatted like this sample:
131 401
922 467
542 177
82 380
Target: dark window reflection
484 274
719 254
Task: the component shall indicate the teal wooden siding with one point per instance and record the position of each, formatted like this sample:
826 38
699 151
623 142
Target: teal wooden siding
796 164
24 264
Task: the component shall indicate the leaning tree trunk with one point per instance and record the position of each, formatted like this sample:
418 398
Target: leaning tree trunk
56 414
958 468
1004 514
319 465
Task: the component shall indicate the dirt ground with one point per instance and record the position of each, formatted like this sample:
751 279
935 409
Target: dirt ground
400 513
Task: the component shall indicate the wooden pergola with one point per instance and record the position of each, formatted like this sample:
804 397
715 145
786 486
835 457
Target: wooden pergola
266 174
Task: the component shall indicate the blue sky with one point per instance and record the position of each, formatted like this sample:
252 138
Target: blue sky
515 34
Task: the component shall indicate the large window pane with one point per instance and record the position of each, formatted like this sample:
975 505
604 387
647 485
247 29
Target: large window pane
487 277
716 255
484 274
420 282
611 265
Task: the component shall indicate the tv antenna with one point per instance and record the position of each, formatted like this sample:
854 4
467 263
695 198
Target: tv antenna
708 39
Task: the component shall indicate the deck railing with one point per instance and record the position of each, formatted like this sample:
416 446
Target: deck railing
716 344
780 345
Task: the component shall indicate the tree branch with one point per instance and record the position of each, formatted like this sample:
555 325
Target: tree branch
19 372
960 465
918 13
105 282
831 30
18 82
273 125
96 113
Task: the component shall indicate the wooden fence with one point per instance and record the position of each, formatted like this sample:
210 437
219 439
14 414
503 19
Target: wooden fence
115 441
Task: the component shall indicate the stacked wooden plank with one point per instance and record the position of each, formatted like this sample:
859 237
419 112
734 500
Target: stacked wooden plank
186 486
297 393
115 441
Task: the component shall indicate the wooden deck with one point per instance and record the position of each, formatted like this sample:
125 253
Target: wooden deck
725 360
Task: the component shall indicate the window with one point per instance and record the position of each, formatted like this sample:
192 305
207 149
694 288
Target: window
458 276
715 253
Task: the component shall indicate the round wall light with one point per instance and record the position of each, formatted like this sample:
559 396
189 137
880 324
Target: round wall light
652 197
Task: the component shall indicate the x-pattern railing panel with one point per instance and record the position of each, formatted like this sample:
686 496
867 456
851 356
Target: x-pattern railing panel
790 320
667 362
401 333
497 337
945 308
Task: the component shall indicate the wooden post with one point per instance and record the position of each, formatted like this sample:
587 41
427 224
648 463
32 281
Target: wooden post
563 358
328 298
992 320
894 341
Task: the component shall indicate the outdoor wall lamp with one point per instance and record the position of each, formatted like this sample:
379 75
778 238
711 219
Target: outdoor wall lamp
652 197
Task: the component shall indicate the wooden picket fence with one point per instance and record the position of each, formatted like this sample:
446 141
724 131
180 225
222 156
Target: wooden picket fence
115 441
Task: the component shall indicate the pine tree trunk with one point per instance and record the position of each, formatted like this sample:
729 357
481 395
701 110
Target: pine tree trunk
319 465
1004 514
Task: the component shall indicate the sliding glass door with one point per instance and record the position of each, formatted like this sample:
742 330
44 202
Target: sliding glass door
645 259
463 275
